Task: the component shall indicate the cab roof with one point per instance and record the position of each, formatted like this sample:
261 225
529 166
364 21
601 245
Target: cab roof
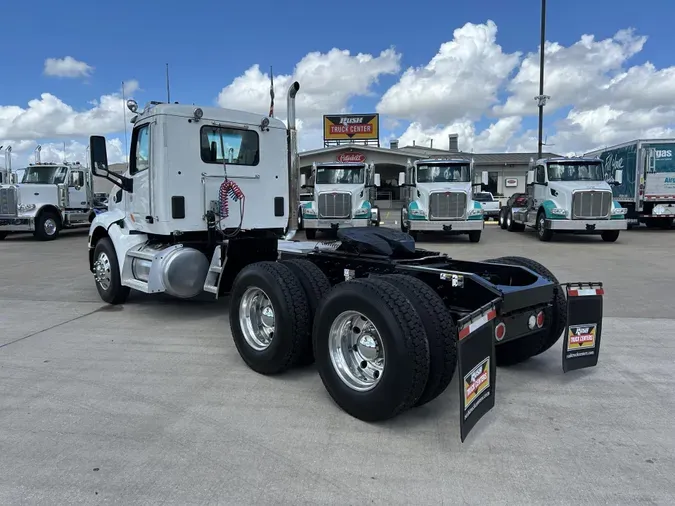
428 161
218 114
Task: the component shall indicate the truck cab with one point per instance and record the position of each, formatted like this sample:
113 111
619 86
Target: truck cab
48 198
438 197
343 197
569 194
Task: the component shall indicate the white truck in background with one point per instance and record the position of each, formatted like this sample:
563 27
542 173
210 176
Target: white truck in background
343 197
48 198
647 190
437 196
490 205
568 194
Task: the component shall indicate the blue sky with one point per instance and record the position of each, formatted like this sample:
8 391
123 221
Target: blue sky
208 45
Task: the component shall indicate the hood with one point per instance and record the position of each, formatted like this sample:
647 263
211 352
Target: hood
570 186
38 193
351 188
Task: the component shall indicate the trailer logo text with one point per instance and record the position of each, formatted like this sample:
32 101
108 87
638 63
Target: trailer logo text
476 382
581 337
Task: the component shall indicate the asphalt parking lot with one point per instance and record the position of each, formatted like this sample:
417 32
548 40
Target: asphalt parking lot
149 403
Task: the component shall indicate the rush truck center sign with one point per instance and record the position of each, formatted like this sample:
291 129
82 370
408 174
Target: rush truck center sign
351 126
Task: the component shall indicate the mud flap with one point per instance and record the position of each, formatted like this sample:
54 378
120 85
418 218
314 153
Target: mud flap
477 367
581 346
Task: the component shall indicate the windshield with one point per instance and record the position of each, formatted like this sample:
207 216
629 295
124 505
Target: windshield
483 197
336 175
443 173
575 172
45 174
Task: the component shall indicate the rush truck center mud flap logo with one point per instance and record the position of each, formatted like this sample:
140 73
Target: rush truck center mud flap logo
476 364
581 346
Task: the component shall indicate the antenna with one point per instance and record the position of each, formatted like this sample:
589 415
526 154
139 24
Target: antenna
124 112
168 93
271 92
64 151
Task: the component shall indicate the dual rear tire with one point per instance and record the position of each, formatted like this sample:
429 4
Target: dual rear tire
382 345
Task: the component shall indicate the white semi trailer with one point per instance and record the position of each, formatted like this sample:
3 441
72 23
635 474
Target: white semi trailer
210 204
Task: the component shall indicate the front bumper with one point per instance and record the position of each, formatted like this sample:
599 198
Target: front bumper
446 226
327 224
586 225
17 224
490 213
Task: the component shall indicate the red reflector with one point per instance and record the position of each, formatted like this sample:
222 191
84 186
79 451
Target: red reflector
500 331
540 319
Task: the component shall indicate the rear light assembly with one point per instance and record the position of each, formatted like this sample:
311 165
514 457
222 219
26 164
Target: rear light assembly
500 331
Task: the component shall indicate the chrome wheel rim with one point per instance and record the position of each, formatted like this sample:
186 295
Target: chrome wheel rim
541 225
356 351
50 226
256 318
508 220
102 271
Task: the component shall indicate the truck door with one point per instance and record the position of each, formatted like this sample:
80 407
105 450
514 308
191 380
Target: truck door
140 162
77 190
539 188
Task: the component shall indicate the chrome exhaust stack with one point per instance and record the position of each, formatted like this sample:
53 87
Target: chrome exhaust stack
293 164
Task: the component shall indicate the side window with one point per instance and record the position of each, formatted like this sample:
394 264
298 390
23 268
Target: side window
540 175
230 145
140 150
76 178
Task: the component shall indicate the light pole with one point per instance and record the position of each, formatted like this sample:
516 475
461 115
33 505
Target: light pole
541 98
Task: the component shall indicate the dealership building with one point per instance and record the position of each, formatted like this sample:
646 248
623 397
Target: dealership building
356 138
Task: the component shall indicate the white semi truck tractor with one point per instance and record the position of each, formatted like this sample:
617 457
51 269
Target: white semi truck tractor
437 196
569 195
49 197
343 197
210 204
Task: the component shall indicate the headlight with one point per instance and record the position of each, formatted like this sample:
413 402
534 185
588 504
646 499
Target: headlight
474 212
619 210
559 212
308 211
361 211
417 212
26 207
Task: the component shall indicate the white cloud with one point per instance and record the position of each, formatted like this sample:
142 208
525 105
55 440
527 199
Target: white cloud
327 83
49 117
459 82
67 67
23 151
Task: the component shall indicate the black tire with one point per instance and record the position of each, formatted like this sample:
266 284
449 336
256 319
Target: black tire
310 233
405 346
291 334
316 285
3 236
47 226
502 219
114 293
474 235
440 329
514 352
543 233
610 235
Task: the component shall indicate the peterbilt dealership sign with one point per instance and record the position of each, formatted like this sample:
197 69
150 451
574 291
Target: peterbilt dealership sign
351 126
351 157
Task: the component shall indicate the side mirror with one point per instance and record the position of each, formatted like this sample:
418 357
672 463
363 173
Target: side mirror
377 179
303 180
98 157
401 178
618 176
98 154
530 177
484 177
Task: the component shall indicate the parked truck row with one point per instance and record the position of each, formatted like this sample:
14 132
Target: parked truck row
210 203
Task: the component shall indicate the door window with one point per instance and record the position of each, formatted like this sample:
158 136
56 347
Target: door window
76 178
540 174
140 156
